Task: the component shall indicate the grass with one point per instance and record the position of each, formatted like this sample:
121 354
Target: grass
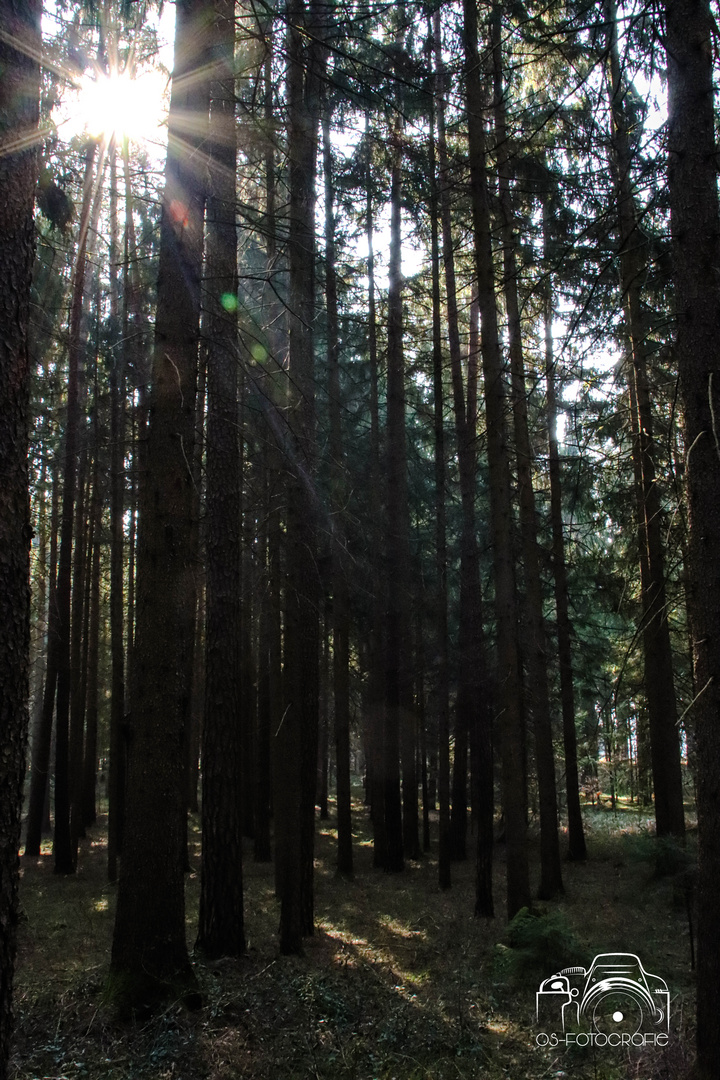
400 982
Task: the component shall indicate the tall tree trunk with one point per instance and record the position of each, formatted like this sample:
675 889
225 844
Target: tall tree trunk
269 646
79 606
221 927
441 591
576 836
657 650
18 177
149 953
297 738
509 673
89 811
472 707
42 742
340 599
397 714
537 660
695 239
376 676
197 693
65 852
118 366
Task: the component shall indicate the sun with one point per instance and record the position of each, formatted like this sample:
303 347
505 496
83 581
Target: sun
120 105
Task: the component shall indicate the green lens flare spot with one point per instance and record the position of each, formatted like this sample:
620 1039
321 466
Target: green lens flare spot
259 352
229 302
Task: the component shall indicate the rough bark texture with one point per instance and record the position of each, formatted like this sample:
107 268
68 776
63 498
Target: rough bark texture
19 96
149 955
221 925
695 237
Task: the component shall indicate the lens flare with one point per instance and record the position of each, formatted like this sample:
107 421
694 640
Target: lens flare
120 105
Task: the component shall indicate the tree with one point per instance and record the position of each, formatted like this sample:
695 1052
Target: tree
340 600
658 675
149 955
19 113
297 737
695 240
537 653
221 927
577 850
509 675
397 643
64 848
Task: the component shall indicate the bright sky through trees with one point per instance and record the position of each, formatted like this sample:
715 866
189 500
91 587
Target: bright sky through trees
120 105
130 100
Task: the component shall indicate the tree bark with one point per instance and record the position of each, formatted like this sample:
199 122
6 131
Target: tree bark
340 599
18 176
297 738
441 556
221 926
657 650
576 836
376 721
149 955
695 241
64 851
397 715
472 705
501 519
42 742
537 660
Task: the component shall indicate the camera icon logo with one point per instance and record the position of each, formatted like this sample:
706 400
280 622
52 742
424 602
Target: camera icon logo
615 994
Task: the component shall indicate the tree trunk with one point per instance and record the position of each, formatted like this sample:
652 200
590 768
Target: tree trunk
88 808
340 599
116 771
471 708
537 660
63 849
695 239
657 650
501 520
441 591
149 954
397 715
297 738
42 742
221 928
376 723
18 177
576 835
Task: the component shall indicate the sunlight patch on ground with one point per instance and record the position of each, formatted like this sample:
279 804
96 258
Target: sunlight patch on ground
401 929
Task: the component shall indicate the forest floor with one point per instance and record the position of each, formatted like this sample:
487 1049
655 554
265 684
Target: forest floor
400 981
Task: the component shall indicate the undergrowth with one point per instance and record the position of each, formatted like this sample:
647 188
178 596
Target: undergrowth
399 982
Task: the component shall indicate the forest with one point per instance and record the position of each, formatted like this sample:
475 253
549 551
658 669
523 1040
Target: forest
359 540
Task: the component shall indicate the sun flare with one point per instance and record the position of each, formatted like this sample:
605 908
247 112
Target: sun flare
121 106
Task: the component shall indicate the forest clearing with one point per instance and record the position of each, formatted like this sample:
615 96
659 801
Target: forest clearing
400 980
